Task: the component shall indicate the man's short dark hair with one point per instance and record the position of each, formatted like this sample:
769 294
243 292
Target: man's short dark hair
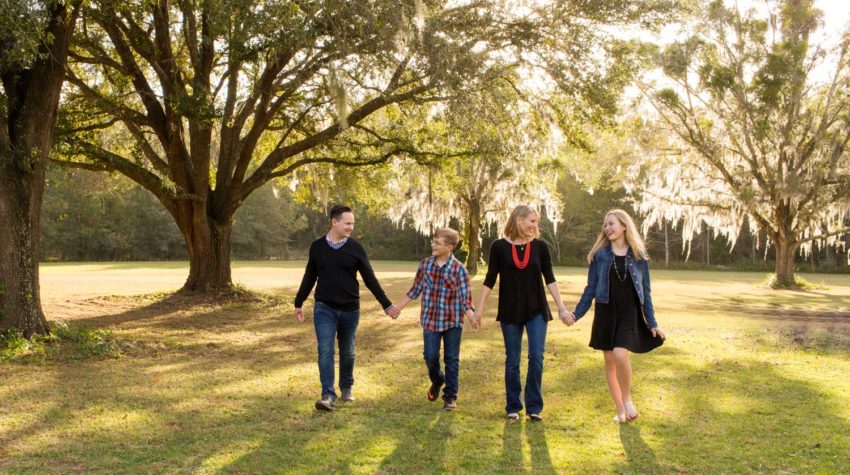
338 210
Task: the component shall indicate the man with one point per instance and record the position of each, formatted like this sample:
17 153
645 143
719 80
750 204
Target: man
334 261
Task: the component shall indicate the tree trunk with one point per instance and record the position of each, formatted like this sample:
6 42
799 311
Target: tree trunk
31 94
558 251
208 245
753 242
20 212
785 253
666 246
474 237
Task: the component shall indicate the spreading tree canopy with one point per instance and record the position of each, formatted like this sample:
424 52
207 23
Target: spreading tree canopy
765 138
213 98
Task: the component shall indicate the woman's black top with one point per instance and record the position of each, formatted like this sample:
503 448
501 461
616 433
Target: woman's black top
522 294
620 323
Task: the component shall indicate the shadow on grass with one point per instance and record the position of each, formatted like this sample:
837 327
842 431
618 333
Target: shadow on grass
640 457
541 460
741 416
727 416
781 304
248 408
512 447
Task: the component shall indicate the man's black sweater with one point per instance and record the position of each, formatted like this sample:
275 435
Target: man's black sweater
336 271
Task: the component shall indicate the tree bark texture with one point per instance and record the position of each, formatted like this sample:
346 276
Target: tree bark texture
785 252
208 244
26 136
20 211
474 256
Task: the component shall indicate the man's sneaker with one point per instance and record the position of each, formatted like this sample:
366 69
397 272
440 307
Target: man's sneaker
449 404
346 395
513 416
434 391
535 417
326 403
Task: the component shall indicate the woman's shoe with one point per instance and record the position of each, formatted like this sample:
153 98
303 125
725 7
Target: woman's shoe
620 418
631 411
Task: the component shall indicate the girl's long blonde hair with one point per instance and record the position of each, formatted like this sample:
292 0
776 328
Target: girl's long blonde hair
512 226
633 238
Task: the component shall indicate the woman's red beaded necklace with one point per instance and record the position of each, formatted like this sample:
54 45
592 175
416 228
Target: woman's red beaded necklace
521 264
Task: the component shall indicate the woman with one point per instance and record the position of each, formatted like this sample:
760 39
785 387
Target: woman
521 262
623 319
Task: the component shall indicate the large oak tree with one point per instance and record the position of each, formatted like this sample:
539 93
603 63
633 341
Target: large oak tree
766 137
214 98
34 42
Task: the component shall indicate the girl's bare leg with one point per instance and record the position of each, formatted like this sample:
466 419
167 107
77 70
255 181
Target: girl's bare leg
614 385
624 378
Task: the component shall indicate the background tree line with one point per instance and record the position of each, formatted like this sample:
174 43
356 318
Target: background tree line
104 217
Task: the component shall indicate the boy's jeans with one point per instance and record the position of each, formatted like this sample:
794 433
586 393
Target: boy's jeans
451 339
534 379
331 323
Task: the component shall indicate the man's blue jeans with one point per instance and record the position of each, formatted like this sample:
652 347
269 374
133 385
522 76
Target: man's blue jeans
340 325
512 333
451 339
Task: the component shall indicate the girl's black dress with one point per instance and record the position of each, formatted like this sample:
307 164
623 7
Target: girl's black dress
620 322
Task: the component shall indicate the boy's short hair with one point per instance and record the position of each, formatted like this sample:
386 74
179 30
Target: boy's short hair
449 236
338 210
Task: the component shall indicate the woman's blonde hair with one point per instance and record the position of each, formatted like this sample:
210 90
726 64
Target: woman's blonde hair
512 227
633 238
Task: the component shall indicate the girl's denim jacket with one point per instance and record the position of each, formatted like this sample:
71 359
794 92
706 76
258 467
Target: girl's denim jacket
598 285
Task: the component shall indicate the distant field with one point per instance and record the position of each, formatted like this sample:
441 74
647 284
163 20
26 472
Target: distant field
721 294
751 381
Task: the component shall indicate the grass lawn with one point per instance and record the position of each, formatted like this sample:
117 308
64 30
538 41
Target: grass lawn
750 381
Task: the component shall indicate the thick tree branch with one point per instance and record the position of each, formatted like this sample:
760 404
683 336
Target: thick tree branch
274 159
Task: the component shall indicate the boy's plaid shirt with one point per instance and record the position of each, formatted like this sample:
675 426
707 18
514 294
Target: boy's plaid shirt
446 292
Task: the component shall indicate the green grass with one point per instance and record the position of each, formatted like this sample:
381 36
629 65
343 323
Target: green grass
751 380
63 342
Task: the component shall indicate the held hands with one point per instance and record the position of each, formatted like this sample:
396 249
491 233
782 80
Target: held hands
299 315
393 311
567 317
476 319
657 332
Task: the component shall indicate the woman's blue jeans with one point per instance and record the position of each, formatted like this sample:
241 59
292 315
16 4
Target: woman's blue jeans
512 333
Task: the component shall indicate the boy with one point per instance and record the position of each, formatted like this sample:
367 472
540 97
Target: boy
446 297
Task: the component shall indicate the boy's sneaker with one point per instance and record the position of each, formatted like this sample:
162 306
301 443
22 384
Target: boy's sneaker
434 391
449 404
346 395
326 403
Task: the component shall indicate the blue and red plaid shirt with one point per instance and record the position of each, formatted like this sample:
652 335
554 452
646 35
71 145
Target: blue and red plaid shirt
445 293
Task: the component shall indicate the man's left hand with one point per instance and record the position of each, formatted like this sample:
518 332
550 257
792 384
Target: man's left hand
393 311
